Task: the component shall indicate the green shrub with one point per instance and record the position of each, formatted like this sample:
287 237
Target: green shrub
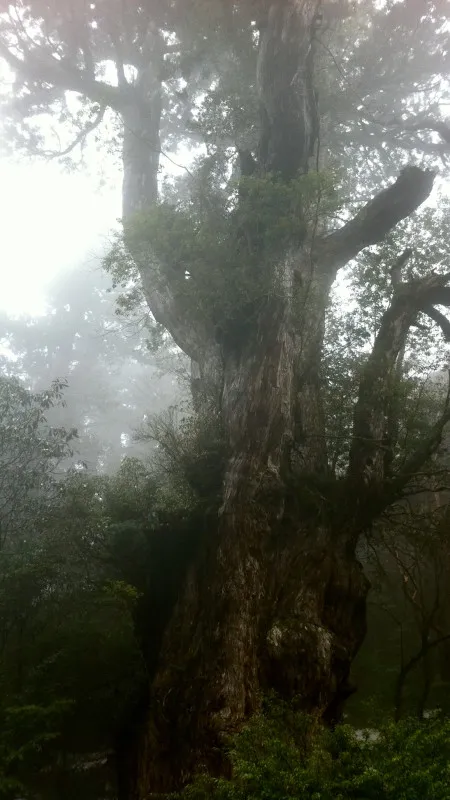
283 755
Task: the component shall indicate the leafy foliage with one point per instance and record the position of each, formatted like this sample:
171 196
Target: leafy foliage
284 755
85 598
67 644
30 450
217 252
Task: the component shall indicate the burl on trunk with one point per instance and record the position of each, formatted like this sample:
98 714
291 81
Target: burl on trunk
275 597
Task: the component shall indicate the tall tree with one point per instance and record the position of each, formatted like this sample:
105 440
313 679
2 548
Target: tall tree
241 277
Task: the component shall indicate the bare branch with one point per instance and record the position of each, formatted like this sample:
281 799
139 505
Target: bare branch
376 219
423 124
425 648
119 61
367 454
399 263
121 79
81 136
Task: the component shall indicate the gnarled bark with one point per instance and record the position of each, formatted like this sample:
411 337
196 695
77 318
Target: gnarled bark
275 597
276 600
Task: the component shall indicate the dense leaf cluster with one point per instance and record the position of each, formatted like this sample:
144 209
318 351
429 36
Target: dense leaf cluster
282 755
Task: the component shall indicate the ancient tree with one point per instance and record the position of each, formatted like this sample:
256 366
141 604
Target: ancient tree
274 597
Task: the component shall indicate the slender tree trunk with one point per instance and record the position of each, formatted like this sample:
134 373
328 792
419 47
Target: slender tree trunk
427 679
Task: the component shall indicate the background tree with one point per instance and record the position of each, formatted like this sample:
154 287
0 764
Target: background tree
29 451
113 380
68 650
240 275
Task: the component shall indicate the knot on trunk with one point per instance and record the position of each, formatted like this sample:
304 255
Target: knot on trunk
300 656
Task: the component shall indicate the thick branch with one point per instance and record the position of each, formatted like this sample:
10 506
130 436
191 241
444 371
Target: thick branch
399 263
119 60
288 103
166 296
367 451
168 311
40 66
376 219
440 320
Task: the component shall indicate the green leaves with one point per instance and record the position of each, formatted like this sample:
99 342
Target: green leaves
30 449
285 756
217 249
68 650
28 741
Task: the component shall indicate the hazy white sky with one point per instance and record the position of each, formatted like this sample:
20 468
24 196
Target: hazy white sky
49 220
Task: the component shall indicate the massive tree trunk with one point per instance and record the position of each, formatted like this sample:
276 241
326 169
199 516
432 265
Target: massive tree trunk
275 597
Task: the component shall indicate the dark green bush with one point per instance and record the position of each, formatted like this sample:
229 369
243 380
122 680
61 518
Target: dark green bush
282 755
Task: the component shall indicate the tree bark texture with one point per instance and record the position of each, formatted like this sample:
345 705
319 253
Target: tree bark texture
275 596
141 110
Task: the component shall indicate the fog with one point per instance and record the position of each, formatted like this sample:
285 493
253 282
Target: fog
58 315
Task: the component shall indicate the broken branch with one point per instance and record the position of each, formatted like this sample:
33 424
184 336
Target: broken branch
376 219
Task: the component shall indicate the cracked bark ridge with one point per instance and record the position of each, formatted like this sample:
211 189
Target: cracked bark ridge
288 102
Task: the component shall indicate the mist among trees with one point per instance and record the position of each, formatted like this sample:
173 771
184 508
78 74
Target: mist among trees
224 525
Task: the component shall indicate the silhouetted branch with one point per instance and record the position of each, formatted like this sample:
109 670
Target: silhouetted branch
424 124
81 136
440 320
38 66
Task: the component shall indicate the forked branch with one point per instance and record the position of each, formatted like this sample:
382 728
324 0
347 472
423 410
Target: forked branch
442 127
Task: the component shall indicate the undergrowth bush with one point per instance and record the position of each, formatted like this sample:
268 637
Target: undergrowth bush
283 755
